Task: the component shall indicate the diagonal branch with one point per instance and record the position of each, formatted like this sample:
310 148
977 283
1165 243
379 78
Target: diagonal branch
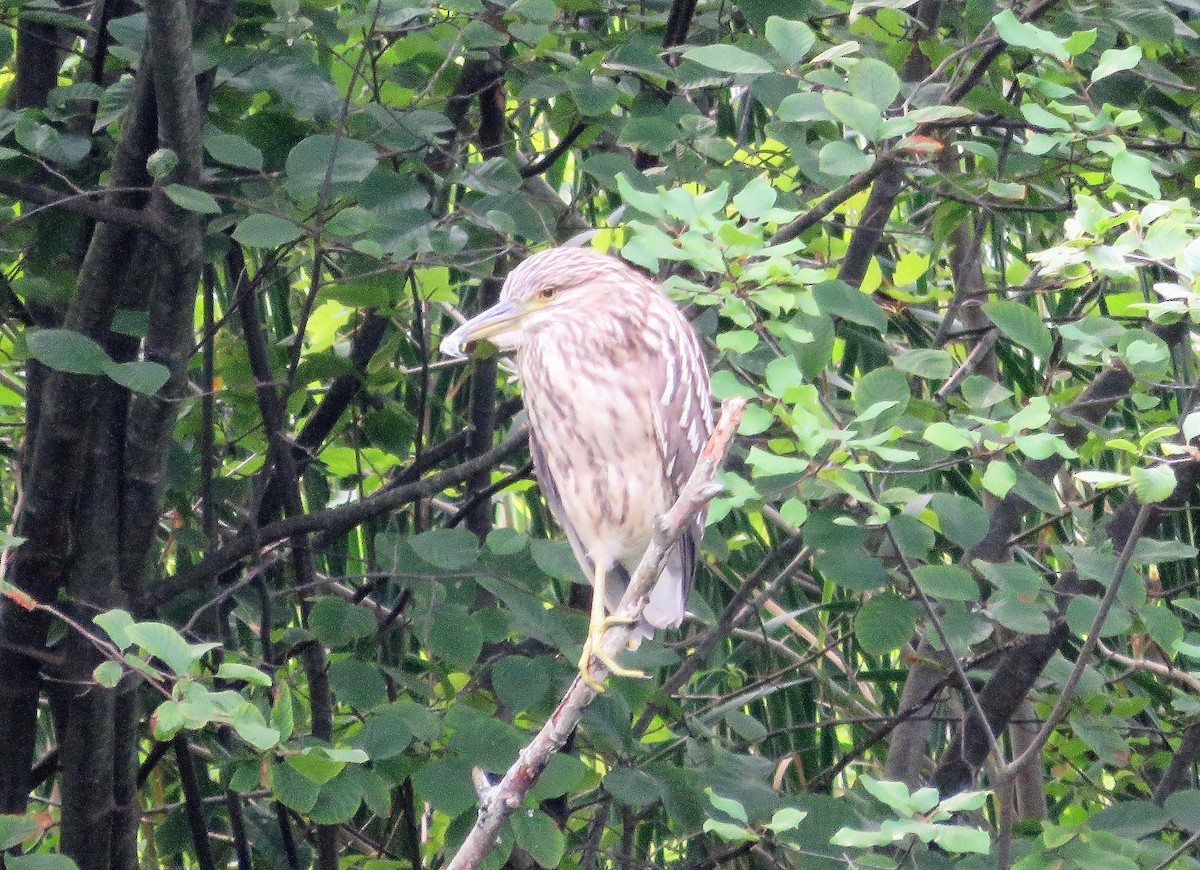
330 520
501 800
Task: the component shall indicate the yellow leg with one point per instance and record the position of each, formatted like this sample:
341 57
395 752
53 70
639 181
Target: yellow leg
597 626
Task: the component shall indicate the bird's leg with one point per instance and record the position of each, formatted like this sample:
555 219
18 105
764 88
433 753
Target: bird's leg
597 626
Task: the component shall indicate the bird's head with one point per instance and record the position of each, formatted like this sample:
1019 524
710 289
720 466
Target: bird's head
542 290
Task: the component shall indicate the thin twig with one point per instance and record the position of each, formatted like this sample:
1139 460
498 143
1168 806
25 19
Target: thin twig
1068 690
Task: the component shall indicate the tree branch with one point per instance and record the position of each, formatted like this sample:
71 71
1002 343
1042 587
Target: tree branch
502 799
82 205
329 520
832 200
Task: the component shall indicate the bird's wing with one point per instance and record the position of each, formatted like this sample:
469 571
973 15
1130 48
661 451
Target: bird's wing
682 407
554 500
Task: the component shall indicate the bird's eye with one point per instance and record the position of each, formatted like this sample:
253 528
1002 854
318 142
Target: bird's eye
548 292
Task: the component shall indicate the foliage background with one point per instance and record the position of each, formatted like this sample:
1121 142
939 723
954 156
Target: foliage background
283 580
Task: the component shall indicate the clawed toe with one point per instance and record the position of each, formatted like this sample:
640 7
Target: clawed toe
591 651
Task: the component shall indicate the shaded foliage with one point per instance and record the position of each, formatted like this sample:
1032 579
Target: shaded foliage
280 590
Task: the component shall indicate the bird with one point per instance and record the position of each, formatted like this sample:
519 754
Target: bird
619 407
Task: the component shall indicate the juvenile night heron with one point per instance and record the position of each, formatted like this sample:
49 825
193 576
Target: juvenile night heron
617 395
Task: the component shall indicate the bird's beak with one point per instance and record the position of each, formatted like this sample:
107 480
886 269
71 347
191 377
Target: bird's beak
497 319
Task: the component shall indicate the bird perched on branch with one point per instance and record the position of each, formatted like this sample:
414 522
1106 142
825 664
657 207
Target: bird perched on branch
617 394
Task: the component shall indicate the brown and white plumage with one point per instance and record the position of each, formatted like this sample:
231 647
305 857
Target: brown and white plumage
617 395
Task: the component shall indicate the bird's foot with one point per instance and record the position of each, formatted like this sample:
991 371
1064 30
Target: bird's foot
593 649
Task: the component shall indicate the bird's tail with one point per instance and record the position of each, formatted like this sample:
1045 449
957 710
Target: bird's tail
667 602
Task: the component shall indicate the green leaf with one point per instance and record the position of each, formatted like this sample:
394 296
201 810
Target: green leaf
282 715
266 231
874 81
1080 41
345 162
860 839
804 106
1151 551
728 831
114 623
1134 819
1184 807
247 721
947 582
889 793
1038 115
338 799
884 384
521 683
1021 324
1033 415
855 113
1018 615
562 776
385 734
786 819
950 437
754 200
446 783
790 39
40 861
315 765
233 151
1026 35
981 393
138 376
537 834
292 788
963 521
1082 612
1191 425
1134 170
357 683
67 351
166 721
959 838
165 643
107 674
963 801
447 549
1115 60
632 787
851 568
1153 484
728 58
885 622
337 623
728 806
237 671
649 134
926 362
839 299
345 754
998 478
113 102
454 635
16 829
191 199
843 159
755 421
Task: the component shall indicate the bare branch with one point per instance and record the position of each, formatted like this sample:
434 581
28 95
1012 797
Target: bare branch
330 520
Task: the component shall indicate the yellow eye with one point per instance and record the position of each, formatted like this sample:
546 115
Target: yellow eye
548 293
